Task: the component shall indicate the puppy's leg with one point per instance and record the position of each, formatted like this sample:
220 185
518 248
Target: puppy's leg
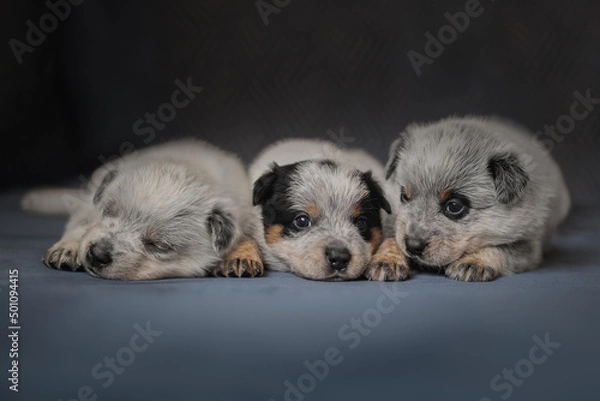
388 263
63 254
487 264
243 261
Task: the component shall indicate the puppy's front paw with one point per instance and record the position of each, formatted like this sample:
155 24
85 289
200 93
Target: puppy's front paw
63 256
244 261
388 264
471 271
387 271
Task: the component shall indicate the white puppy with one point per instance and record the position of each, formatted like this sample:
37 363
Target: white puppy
181 209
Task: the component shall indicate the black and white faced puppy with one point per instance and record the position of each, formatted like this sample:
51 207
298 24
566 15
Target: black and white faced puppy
321 216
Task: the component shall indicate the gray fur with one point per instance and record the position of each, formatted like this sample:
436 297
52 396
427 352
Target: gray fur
516 190
333 190
173 210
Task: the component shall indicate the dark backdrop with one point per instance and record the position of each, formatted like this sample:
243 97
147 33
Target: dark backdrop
332 69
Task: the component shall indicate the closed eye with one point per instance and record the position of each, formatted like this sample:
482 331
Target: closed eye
404 198
157 246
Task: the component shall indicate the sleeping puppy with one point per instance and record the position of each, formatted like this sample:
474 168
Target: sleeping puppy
476 198
181 209
320 207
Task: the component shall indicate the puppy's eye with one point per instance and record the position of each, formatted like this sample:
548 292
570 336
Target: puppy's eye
302 221
455 208
361 223
403 196
157 246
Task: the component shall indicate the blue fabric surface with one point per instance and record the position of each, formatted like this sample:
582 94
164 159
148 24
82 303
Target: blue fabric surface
242 339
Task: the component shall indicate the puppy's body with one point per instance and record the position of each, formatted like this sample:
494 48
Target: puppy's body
180 209
320 208
478 198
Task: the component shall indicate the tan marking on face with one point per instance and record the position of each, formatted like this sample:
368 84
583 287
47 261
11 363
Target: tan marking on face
357 211
408 191
376 238
273 233
312 210
445 195
245 259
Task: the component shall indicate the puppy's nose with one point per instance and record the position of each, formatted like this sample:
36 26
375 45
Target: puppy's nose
338 256
415 246
100 253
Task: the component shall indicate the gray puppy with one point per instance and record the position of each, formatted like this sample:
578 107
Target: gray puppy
180 209
320 206
477 198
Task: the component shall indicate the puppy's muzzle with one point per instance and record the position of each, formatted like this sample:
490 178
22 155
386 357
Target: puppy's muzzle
338 256
415 246
100 254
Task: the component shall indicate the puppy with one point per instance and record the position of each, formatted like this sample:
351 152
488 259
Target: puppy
476 198
320 208
181 209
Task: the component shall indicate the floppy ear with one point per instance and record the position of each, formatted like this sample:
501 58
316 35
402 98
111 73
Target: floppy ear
376 192
395 149
108 178
222 230
263 187
510 178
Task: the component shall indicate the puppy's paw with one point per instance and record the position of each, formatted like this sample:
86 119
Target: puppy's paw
471 270
63 256
387 271
388 264
244 261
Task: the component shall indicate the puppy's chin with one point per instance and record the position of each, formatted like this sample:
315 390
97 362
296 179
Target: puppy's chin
325 276
322 272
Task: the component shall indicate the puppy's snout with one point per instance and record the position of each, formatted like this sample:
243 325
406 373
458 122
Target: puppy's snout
100 253
415 246
338 256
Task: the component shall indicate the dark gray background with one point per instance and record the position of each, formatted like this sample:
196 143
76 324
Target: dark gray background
316 67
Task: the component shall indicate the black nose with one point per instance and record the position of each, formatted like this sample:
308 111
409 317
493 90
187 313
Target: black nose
99 254
338 256
415 246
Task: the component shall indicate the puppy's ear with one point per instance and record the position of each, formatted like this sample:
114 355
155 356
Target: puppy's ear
376 192
263 187
510 178
222 230
108 178
395 149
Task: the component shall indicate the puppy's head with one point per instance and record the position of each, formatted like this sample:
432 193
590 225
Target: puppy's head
155 221
456 189
322 219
